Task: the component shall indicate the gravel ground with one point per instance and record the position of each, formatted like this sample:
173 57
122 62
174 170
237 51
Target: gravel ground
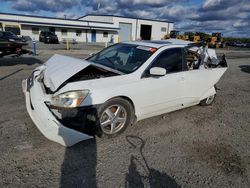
194 147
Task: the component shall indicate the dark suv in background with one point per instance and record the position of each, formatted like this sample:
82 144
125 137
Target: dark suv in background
11 44
9 36
48 37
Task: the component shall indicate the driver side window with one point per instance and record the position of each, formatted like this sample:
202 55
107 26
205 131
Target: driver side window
170 59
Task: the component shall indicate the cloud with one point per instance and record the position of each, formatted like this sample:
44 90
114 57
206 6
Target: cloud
218 4
42 5
232 17
69 15
240 24
223 10
145 3
177 13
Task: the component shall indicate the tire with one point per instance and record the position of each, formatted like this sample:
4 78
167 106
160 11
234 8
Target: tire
208 101
114 116
2 54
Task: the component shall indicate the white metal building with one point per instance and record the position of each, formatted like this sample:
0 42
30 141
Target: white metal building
89 28
134 28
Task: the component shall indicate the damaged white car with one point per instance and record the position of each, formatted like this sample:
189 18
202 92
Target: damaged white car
71 100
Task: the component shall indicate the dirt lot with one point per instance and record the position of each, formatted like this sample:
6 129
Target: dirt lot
194 147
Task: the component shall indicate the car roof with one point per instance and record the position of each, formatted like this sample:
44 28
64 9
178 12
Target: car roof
160 43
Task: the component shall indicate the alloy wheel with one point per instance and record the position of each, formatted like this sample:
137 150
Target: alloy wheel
210 99
113 119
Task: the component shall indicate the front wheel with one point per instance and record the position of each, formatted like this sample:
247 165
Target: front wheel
2 53
115 115
208 101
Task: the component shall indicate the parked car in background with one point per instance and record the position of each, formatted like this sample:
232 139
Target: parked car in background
48 37
11 44
71 100
239 44
230 43
7 35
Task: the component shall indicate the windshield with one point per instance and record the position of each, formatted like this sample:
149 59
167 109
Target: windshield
10 35
125 58
51 33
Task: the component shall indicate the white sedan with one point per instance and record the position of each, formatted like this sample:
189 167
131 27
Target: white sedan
71 100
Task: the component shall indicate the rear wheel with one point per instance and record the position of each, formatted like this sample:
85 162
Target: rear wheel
208 101
115 115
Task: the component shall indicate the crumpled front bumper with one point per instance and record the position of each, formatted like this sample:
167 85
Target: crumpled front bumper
44 119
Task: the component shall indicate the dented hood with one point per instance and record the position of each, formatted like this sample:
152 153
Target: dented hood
60 68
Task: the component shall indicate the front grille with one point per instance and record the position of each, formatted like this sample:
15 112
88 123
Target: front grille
30 81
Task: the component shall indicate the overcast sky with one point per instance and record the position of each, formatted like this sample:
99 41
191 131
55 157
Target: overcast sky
231 17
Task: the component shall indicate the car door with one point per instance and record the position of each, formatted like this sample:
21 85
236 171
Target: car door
198 82
162 94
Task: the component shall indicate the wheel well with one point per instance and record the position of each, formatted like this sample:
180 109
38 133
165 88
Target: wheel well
126 98
131 102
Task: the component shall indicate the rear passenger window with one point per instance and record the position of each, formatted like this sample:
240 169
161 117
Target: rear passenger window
170 59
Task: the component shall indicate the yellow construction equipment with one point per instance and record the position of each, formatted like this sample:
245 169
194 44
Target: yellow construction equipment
196 38
174 34
188 36
216 41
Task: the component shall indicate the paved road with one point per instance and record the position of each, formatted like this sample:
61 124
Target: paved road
194 147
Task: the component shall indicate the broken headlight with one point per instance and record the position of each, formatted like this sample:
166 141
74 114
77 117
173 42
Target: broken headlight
69 99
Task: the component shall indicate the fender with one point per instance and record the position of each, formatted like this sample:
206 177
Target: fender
208 93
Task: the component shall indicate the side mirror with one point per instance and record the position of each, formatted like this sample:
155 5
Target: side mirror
157 71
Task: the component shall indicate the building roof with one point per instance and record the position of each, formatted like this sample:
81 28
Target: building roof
130 17
48 17
59 22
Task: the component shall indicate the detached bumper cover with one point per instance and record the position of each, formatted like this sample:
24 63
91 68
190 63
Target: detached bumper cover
45 121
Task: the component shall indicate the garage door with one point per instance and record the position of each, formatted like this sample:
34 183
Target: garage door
125 31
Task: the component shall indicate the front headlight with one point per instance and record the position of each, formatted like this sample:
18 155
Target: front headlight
69 99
